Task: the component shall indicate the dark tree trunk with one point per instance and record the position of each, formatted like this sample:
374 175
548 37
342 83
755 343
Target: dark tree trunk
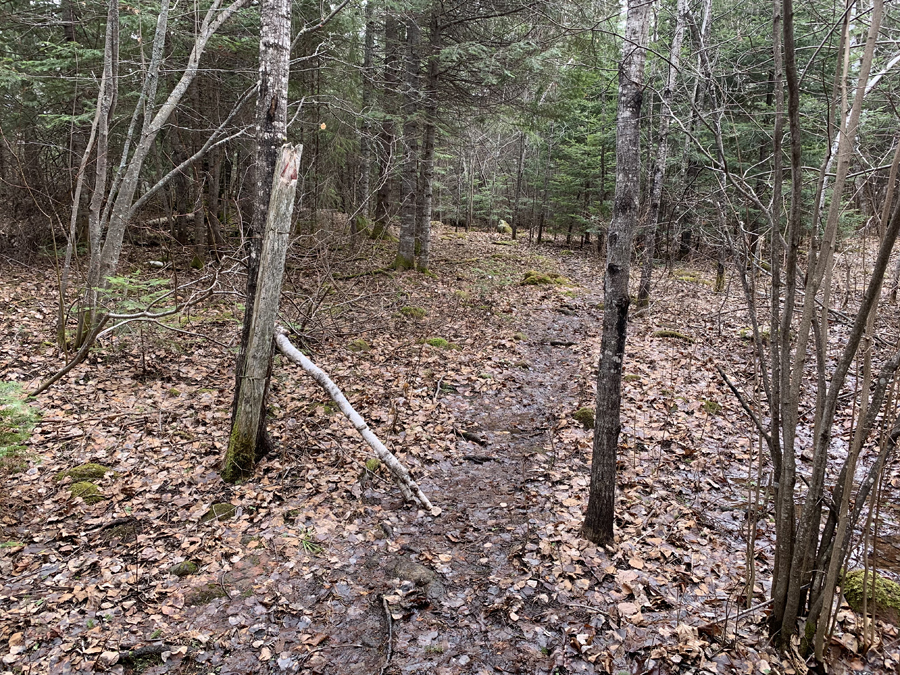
426 181
365 142
406 251
386 138
598 521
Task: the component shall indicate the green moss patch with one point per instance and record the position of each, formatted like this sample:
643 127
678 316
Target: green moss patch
672 334
87 491
84 472
438 342
359 345
711 407
886 595
17 419
204 595
411 312
521 337
631 378
690 277
747 334
585 416
220 511
534 278
184 568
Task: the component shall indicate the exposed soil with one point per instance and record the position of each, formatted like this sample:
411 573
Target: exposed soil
323 569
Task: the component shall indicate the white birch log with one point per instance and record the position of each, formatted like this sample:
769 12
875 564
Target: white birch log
407 485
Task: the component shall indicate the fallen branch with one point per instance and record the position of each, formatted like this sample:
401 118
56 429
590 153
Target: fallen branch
390 636
407 485
132 655
746 406
356 275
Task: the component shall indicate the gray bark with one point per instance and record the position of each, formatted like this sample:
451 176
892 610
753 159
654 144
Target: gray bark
365 140
598 522
662 154
271 132
241 455
426 182
105 260
407 485
406 251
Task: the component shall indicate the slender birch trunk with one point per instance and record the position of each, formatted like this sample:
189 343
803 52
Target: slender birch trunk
662 154
407 485
598 522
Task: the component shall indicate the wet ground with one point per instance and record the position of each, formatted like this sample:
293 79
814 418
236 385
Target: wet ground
323 569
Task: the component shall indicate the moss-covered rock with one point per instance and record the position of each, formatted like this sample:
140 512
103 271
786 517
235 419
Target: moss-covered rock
359 345
184 569
220 511
411 312
534 278
585 416
438 342
886 604
87 491
711 407
521 337
672 334
204 595
747 334
631 378
84 472
503 227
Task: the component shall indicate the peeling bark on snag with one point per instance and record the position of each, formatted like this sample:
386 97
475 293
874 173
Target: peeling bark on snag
240 457
407 485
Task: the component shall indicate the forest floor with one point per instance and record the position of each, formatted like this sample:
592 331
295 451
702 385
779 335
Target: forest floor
320 567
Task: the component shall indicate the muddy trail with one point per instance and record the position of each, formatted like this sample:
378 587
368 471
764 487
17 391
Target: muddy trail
472 377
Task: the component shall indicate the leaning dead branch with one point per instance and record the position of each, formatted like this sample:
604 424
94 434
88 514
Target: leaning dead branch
407 485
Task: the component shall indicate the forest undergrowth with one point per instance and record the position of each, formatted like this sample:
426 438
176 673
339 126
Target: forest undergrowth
472 375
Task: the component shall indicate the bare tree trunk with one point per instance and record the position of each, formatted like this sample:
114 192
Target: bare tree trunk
423 230
598 521
271 121
106 100
365 140
406 252
518 194
120 202
387 136
792 572
243 444
662 154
